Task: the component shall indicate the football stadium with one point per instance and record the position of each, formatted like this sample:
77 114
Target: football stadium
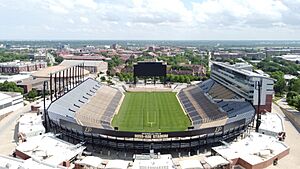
165 118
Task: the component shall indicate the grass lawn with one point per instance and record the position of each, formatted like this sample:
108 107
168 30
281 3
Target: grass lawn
151 112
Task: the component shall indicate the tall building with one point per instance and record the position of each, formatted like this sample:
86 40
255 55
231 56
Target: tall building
245 83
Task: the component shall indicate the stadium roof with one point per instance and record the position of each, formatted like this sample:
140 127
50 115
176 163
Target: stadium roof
65 108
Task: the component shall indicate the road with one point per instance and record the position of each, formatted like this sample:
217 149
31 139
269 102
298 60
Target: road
291 161
7 130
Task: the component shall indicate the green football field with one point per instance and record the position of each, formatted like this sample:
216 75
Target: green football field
151 112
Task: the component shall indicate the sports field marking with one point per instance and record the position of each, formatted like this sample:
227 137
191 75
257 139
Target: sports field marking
153 121
151 112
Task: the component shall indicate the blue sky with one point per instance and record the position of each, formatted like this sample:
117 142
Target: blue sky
150 19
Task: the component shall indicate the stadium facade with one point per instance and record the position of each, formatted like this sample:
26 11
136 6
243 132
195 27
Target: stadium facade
218 110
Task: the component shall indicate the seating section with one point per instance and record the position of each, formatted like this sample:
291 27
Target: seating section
209 108
90 104
199 108
206 85
209 101
189 108
101 108
234 108
218 91
66 106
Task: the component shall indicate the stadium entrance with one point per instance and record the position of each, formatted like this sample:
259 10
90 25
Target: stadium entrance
150 70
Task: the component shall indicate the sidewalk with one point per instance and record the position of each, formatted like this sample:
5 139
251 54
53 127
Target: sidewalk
291 161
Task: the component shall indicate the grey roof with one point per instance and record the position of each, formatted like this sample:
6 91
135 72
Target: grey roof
68 104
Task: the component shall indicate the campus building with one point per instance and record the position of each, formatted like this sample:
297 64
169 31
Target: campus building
18 66
245 83
9 101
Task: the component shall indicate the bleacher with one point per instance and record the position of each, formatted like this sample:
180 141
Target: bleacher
206 85
101 108
189 108
217 91
210 101
234 108
89 104
198 106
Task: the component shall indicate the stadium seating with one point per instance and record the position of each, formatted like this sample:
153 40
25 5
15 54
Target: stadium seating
71 102
209 101
217 91
198 106
90 104
189 108
206 85
234 108
102 106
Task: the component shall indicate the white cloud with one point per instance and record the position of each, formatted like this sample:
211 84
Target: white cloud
84 19
163 18
71 21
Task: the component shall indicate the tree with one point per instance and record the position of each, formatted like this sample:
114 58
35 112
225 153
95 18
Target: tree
290 96
10 87
8 57
102 78
32 94
280 84
297 102
59 59
295 85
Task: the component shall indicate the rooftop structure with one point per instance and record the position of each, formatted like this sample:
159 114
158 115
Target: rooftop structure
148 161
216 161
30 124
117 164
84 57
91 66
190 164
90 162
49 149
293 58
271 124
255 151
14 163
45 73
13 78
